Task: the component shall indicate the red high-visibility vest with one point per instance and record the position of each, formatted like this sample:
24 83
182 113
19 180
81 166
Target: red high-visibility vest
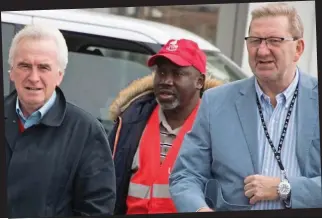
149 186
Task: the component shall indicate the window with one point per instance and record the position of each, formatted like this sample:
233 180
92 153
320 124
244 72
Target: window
119 54
98 69
218 66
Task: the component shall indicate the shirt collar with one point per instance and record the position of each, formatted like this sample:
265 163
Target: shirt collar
165 124
41 112
287 94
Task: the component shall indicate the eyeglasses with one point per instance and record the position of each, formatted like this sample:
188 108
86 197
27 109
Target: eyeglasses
270 41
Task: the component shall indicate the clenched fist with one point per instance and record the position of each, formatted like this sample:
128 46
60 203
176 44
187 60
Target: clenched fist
260 188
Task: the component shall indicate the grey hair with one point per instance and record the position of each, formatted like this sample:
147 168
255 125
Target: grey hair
281 9
37 32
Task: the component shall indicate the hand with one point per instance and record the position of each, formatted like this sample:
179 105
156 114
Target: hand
260 188
205 209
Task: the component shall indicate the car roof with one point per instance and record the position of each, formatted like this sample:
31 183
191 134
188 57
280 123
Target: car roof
160 33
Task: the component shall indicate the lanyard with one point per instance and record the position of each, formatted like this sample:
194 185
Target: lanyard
277 152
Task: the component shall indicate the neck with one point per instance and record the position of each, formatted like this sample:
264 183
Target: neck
176 117
28 110
273 88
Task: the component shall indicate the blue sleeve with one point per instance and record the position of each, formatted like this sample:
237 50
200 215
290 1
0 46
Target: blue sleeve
192 168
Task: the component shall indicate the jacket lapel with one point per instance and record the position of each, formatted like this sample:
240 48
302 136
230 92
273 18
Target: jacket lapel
247 111
307 118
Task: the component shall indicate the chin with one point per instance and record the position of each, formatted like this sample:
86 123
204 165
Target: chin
266 74
34 101
168 105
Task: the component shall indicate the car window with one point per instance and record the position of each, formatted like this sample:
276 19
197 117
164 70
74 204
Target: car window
218 66
99 67
8 31
120 54
92 81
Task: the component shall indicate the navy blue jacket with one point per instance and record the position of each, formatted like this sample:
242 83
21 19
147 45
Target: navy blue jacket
134 119
61 167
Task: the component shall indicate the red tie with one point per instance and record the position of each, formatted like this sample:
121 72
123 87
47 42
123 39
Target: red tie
21 127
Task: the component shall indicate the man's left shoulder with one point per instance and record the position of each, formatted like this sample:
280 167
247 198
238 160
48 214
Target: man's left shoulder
83 119
309 80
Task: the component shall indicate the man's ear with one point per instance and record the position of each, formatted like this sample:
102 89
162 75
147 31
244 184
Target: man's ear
201 81
11 76
299 49
60 77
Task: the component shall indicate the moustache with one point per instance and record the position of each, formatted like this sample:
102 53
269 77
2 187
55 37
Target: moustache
166 91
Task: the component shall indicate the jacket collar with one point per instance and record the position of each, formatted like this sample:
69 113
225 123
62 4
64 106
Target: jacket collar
54 117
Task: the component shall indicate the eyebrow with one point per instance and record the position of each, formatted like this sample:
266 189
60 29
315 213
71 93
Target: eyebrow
44 66
23 64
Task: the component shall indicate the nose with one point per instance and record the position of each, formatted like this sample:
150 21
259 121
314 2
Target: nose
167 79
263 49
34 75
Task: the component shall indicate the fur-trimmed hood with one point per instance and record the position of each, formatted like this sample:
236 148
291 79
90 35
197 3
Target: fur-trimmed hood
139 88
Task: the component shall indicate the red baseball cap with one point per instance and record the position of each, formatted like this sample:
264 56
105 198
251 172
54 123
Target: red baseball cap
182 52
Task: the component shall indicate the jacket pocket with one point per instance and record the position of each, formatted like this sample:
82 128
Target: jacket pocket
215 200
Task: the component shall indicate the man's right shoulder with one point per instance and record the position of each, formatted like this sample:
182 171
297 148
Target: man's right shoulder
228 90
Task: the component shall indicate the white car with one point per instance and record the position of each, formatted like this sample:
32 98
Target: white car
107 52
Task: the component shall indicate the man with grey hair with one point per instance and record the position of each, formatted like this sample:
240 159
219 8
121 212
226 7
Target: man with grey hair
255 143
59 163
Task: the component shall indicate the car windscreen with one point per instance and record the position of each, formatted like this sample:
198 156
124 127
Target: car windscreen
221 67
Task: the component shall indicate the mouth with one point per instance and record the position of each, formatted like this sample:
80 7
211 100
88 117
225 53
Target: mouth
33 88
265 62
165 94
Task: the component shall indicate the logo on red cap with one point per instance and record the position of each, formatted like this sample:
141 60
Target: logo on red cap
173 46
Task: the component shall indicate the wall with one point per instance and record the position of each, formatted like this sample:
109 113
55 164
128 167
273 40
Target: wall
308 61
228 40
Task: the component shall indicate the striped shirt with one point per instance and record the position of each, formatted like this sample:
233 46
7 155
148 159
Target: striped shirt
167 135
274 119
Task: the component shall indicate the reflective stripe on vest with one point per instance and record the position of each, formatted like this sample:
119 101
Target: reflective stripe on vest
142 191
161 191
139 191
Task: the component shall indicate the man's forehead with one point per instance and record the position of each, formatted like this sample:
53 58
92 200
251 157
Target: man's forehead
268 27
44 61
270 20
171 65
164 62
